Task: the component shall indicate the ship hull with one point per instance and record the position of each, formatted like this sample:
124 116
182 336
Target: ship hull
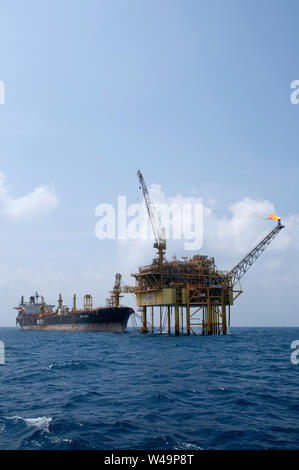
110 319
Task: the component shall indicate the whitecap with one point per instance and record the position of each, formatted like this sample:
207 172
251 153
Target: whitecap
57 440
36 443
186 445
41 422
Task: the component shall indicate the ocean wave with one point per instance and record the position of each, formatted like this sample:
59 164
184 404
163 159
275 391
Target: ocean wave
66 365
41 422
186 446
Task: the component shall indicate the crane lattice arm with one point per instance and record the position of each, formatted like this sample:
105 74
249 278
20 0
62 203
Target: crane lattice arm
242 267
113 300
160 242
148 205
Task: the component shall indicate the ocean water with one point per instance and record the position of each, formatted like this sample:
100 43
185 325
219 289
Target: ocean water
64 390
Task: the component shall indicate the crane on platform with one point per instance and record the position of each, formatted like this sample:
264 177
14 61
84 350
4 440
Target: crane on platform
160 242
242 267
115 293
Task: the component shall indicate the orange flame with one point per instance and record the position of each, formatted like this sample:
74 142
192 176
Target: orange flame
273 217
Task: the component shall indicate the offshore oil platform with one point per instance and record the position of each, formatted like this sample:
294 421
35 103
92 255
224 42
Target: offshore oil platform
193 291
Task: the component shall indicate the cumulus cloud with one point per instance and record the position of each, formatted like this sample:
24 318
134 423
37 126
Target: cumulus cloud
245 225
39 202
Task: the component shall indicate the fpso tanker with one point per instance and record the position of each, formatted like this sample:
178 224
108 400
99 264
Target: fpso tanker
37 315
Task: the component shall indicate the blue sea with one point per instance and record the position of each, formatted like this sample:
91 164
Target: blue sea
64 390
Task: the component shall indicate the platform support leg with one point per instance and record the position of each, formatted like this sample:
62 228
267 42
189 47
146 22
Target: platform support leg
144 320
176 320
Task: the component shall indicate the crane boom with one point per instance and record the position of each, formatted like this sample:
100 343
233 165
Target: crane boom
148 205
113 300
242 267
160 242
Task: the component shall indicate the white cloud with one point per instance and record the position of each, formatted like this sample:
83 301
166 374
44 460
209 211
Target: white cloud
244 228
39 202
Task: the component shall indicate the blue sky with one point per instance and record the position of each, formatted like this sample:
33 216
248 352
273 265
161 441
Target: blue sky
194 93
